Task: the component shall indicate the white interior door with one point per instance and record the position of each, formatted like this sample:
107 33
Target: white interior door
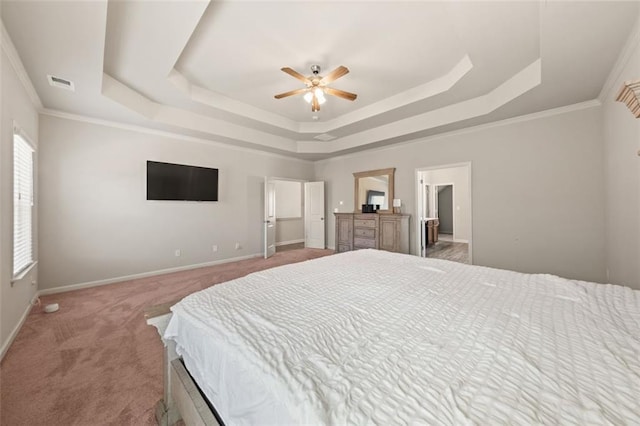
314 215
269 218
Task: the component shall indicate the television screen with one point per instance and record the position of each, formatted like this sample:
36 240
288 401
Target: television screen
166 181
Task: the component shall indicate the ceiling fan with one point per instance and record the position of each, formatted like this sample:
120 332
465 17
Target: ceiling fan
317 86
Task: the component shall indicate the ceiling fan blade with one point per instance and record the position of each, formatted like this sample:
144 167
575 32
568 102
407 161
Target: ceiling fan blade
290 93
297 75
340 93
334 75
315 105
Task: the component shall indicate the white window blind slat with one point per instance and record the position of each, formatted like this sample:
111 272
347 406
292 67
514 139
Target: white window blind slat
22 204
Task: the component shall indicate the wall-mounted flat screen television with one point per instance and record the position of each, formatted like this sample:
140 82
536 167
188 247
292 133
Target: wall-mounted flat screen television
166 181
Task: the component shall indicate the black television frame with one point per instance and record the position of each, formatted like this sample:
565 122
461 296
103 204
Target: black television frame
181 182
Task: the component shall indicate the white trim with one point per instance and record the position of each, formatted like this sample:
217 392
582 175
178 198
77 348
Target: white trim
23 273
14 333
163 133
71 287
18 67
284 243
507 121
609 87
18 130
436 86
459 240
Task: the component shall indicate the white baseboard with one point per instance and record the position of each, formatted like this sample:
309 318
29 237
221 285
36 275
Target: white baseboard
285 243
79 286
458 240
7 344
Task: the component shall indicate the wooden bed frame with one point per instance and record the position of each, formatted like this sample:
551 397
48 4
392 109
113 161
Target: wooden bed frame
181 399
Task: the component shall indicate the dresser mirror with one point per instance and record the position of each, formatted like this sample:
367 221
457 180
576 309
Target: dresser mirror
374 187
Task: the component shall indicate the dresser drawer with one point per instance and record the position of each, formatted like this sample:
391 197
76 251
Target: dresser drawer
343 247
365 232
364 223
364 243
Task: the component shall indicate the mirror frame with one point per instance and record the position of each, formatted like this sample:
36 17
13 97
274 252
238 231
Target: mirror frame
390 172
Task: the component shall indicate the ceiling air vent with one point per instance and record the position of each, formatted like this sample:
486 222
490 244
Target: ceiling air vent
60 82
324 137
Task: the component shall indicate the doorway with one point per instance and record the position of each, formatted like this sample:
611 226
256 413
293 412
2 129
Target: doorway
290 216
444 208
444 212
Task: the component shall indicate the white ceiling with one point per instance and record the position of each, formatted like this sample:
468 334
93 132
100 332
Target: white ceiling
211 69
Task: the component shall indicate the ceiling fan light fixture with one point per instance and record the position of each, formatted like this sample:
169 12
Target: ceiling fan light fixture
308 97
319 93
316 86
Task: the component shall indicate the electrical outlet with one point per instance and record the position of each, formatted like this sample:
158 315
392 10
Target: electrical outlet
214 248
178 252
238 246
34 282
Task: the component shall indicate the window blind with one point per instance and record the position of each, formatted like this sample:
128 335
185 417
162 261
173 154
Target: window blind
22 204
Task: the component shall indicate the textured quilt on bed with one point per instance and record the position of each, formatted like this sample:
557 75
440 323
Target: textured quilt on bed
371 337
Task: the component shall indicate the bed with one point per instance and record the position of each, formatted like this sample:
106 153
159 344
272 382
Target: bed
372 337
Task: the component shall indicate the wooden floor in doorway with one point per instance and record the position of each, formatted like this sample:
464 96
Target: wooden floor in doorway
448 250
287 247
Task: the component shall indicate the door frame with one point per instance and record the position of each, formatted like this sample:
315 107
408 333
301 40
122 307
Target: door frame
302 182
420 202
307 217
265 223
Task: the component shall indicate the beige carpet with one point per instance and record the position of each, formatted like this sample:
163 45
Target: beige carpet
95 361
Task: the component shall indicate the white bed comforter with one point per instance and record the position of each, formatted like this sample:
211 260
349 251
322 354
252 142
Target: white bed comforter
370 337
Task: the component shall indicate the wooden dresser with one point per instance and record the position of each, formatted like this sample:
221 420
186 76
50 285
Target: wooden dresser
372 230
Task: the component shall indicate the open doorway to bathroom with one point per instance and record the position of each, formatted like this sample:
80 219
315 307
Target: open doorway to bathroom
444 212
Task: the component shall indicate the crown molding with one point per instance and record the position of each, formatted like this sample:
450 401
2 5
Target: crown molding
610 86
520 83
419 93
216 100
175 116
141 129
163 133
18 67
594 103
432 88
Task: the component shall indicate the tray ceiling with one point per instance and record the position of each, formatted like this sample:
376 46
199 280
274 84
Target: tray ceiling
211 69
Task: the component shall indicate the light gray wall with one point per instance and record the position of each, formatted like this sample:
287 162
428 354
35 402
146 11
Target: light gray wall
550 201
622 177
288 199
16 105
289 229
97 225
445 209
